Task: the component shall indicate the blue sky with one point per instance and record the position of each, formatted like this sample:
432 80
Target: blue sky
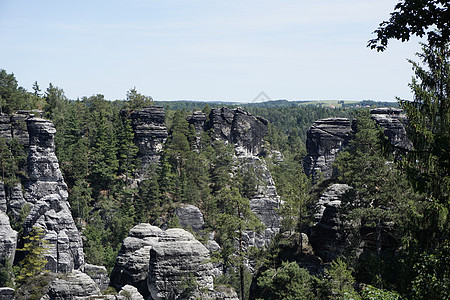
205 50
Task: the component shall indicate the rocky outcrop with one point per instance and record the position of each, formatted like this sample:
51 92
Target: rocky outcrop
130 292
8 239
190 217
46 194
75 285
328 236
238 127
392 120
99 274
150 133
264 203
132 262
3 202
197 119
175 260
325 139
5 126
6 293
159 263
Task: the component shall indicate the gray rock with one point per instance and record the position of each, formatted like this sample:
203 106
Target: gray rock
325 139
132 263
150 133
238 127
15 201
190 217
5 126
46 193
3 206
99 274
8 239
6 293
328 236
75 285
176 259
393 122
130 292
197 119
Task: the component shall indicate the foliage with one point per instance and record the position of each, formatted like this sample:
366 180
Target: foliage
287 282
34 260
6 273
372 293
415 17
339 282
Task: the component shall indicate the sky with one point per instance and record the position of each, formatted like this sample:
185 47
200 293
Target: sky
205 50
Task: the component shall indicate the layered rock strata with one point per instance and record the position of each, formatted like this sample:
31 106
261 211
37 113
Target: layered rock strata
239 127
392 120
150 133
325 139
190 217
8 239
158 262
46 194
74 285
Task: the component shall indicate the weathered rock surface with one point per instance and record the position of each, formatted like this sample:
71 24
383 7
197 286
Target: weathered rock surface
3 206
173 259
73 285
197 119
46 193
325 139
99 274
130 292
15 200
264 203
190 217
393 122
132 263
5 126
8 239
6 293
158 262
238 127
328 236
150 133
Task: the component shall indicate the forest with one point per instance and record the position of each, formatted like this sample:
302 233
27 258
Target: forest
395 217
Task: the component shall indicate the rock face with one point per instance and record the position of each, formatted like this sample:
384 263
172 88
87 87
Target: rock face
8 239
238 127
197 119
325 139
46 194
176 257
158 262
99 274
392 120
150 133
328 236
190 217
74 285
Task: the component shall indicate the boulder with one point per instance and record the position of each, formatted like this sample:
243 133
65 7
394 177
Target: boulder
46 194
75 285
190 217
324 140
8 239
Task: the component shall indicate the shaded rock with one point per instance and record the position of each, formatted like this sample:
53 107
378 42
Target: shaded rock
175 259
6 293
150 133
197 119
73 285
324 140
15 201
8 239
238 127
190 216
98 274
5 126
130 292
3 206
132 263
393 122
46 193
329 237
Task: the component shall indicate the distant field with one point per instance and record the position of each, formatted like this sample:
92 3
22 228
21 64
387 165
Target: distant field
328 103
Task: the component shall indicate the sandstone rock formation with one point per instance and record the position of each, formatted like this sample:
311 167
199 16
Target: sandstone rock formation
46 194
328 236
150 133
393 122
75 285
8 239
325 139
197 119
190 217
238 127
99 274
158 262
